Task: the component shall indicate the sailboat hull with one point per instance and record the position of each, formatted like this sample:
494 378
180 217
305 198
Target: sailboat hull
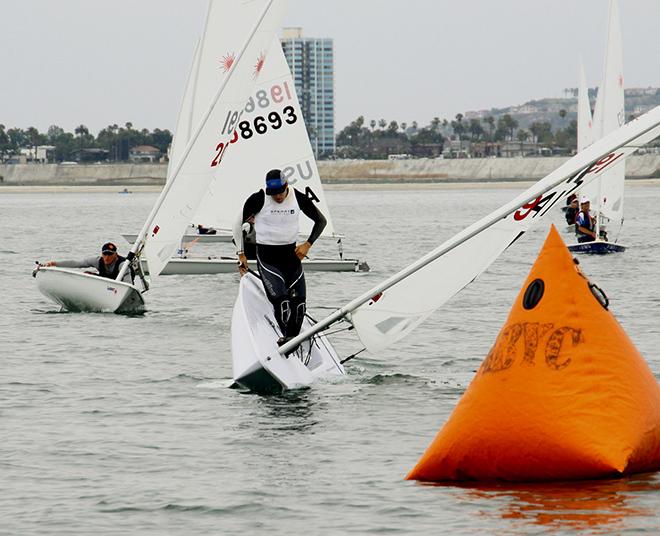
596 248
198 239
257 364
80 292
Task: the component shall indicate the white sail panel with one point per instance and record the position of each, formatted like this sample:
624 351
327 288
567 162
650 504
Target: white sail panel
184 124
204 153
585 120
271 135
393 313
586 133
224 27
611 116
606 194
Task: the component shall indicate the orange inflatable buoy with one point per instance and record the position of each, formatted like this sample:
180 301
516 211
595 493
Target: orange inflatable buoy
562 395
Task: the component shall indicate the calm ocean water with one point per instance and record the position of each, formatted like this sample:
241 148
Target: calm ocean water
117 425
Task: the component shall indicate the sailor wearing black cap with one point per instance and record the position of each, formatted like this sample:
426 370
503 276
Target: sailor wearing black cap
275 212
108 264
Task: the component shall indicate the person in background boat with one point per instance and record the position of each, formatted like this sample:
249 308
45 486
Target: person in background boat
205 230
276 211
108 264
585 223
572 211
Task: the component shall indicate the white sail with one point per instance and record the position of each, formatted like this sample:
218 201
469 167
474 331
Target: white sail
271 135
585 120
391 310
184 123
248 27
607 194
610 116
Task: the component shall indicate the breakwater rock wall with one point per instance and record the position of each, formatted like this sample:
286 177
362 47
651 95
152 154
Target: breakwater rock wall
82 175
466 170
335 171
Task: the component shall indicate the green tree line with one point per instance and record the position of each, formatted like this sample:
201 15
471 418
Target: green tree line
113 138
378 139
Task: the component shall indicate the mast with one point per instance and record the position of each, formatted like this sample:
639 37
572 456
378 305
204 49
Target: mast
630 137
139 242
598 211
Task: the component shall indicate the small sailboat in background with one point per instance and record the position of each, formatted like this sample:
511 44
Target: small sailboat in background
606 193
248 31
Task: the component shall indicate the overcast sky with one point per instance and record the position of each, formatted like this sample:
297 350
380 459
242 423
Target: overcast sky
68 62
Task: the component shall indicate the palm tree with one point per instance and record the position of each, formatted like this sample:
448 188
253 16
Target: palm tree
458 127
490 121
562 114
373 124
33 134
522 136
81 131
4 142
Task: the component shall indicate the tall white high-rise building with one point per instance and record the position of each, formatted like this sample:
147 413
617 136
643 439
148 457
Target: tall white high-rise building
311 61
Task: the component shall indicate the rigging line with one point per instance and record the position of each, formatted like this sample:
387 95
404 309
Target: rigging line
326 333
352 356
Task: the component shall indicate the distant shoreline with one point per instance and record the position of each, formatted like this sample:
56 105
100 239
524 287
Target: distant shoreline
433 173
362 186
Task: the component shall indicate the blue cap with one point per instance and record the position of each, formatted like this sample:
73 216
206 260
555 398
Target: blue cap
275 182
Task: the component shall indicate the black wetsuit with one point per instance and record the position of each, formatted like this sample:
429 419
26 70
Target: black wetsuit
280 269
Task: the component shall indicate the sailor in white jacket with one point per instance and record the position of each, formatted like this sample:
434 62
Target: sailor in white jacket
275 212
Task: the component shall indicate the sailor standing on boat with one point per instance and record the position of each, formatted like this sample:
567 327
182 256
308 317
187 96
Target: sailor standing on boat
275 212
108 264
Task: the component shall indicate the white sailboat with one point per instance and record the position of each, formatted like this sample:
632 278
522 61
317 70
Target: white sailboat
249 28
606 193
272 134
392 309
254 332
81 292
275 111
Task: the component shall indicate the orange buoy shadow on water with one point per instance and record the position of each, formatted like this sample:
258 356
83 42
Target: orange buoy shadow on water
604 506
562 395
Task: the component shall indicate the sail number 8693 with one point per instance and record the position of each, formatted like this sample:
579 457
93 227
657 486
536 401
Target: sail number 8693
247 129
259 125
